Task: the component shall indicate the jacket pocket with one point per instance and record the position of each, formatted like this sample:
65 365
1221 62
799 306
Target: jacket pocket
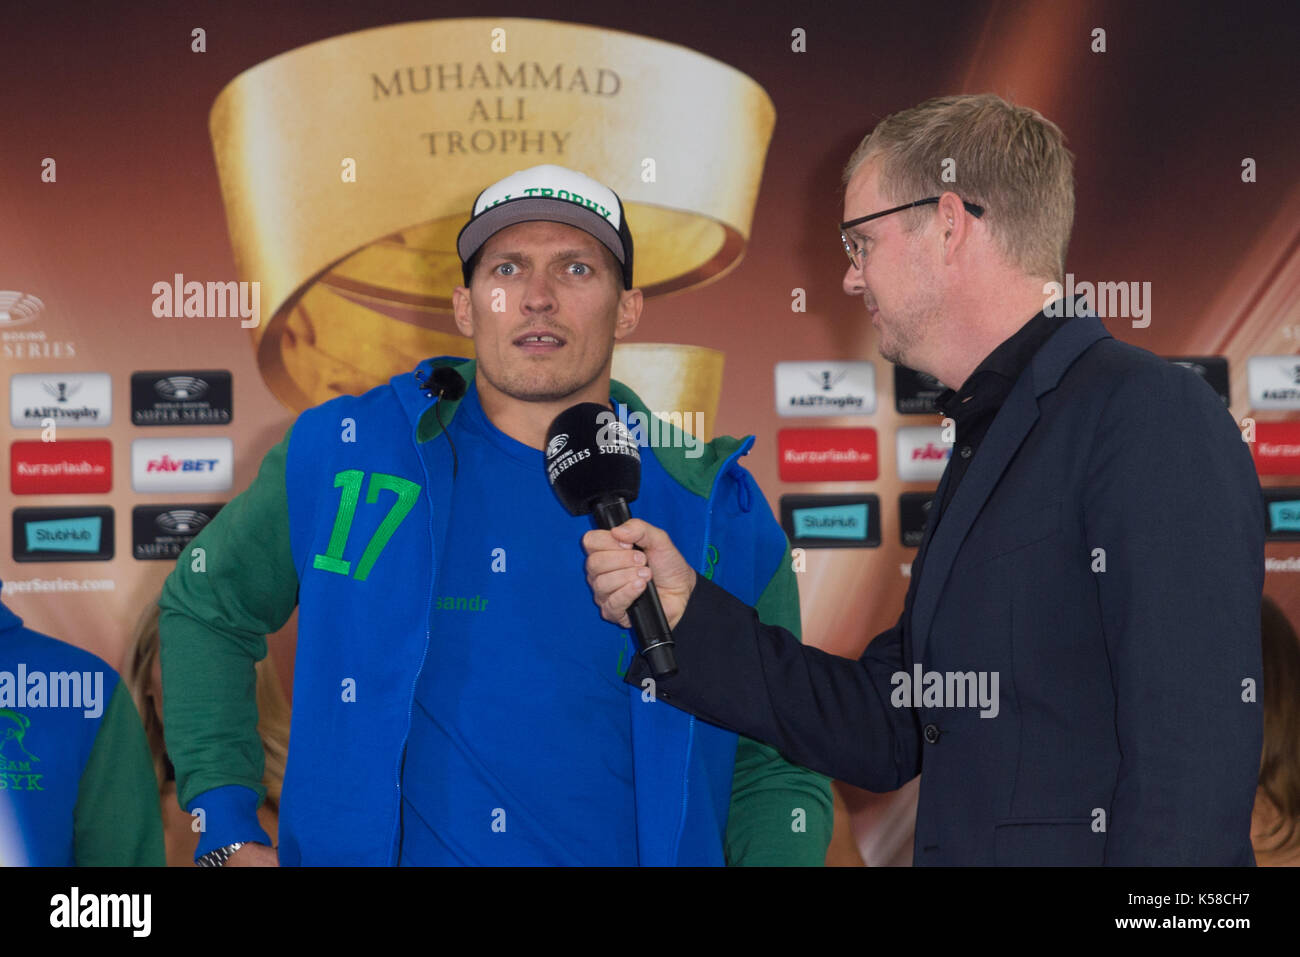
1013 534
1048 842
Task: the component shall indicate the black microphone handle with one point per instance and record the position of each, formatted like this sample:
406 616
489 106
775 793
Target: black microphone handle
649 622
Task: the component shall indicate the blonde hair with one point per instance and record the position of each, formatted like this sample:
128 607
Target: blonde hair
273 710
1008 159
1279 763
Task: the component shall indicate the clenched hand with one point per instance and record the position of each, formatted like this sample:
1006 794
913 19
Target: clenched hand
617 571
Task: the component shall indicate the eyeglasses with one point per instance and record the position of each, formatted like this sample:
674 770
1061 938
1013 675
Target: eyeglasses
853 251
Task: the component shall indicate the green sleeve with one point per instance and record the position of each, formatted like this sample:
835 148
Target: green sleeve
765 826
235 584
117 822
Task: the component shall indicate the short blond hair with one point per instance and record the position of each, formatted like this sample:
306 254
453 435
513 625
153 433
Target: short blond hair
1009 159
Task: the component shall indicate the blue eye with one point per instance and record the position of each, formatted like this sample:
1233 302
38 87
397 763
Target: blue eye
583 266
503 266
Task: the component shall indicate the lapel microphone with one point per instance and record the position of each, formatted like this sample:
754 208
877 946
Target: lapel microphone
445 383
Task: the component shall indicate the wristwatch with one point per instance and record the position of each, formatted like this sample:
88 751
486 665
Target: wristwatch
218 857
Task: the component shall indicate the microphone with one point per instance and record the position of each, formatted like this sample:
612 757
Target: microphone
595 468
446 383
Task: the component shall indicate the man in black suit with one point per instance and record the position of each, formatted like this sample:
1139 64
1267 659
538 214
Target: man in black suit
1074 672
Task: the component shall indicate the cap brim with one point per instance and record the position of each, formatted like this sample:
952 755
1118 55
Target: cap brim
536 209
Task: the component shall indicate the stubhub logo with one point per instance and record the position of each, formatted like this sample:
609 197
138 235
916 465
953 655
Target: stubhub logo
1284 516
65 535
831 521
1282 507
182 465
82 534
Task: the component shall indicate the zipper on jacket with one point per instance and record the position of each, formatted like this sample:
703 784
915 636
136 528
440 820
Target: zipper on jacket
399 836
703 564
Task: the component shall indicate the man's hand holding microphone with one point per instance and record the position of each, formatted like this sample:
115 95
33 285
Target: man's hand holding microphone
617 572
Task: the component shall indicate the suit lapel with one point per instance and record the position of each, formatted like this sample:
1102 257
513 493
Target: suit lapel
1006 434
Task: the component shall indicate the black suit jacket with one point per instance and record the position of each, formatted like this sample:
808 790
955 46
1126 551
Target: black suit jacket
1103 558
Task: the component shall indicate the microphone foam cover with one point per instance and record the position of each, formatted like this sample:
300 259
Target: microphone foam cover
448 383
590 456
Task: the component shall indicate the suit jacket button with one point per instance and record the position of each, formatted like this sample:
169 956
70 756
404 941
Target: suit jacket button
932 733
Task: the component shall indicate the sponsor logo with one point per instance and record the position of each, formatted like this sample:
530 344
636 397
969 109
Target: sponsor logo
34 344
831 521
181 398
916 393
563 459
922 453
1213 369
1282 506
556 445
614 437
75 398
913 512
1277 448
63 534
825 388
18 765
18 308
164 531
82 466
182 465
1274 382
827 455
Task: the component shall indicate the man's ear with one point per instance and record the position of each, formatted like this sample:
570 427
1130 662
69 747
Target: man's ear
954 224
630 303
464 313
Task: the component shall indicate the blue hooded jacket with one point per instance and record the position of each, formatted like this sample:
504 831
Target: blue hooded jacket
364 479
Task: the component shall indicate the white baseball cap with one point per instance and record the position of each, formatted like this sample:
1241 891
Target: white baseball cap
552 194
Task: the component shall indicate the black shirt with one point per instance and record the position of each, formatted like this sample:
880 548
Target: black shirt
975 405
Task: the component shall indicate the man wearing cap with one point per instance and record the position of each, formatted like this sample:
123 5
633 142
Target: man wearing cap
457 697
